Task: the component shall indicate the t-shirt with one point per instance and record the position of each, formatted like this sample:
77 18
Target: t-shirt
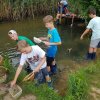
26 39
53 36
64 2
94 24
33 58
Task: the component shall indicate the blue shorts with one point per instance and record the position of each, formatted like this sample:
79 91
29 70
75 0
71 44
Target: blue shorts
45 72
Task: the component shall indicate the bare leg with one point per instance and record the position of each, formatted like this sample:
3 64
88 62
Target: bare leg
91 50
48 68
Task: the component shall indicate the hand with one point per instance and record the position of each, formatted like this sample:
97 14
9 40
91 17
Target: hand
41 38
13 83
47 43
81 38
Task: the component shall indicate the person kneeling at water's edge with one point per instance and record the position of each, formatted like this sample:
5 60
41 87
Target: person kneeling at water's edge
35 56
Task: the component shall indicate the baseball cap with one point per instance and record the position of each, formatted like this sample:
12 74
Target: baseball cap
12 32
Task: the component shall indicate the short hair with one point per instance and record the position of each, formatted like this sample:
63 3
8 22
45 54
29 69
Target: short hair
48 19
12 32
92 11
21 44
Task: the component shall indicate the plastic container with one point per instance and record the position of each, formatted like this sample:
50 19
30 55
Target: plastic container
15 91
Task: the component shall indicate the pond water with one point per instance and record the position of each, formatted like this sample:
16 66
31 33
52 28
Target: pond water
71 46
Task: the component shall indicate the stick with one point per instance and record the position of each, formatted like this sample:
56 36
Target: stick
72 21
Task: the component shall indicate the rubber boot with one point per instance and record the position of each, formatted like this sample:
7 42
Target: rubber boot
89 56
93 55
54 69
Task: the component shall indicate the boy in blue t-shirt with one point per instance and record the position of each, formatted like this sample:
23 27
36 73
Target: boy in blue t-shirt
52 40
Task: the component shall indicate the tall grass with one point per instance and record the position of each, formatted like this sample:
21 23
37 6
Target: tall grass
77 88
19 9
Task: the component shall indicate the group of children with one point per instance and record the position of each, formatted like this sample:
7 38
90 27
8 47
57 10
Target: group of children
38 60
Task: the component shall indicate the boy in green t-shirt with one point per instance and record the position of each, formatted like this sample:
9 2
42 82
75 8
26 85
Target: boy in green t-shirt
14 36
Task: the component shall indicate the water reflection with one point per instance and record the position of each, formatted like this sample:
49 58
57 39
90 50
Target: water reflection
71 48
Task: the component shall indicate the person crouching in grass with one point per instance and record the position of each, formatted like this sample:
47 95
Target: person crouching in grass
35 56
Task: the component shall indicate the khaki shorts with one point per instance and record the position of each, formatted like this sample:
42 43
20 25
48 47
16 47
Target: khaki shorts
94 43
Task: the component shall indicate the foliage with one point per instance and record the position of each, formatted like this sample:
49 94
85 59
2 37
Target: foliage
91 68
19 9
42 91
77 88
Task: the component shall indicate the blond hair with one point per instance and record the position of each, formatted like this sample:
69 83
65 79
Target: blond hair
21 44
48 19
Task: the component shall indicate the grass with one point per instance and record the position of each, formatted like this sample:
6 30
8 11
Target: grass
78 84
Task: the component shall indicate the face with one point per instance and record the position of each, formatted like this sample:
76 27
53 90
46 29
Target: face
90 15
48 25
13 36
26 50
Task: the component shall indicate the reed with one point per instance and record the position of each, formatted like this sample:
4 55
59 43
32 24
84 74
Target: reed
20 9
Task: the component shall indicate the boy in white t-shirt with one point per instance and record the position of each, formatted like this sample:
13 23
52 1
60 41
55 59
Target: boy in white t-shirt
93 25
35 56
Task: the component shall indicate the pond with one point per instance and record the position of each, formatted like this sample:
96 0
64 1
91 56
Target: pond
71 47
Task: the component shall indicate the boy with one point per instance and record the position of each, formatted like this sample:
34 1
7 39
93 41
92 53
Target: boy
62 10
14 36
52 40
35 56
93 25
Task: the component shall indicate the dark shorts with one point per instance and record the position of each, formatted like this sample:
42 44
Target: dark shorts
45 72
49 61
41 75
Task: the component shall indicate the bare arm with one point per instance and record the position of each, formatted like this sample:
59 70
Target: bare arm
84 33
19 69
54 43
44 38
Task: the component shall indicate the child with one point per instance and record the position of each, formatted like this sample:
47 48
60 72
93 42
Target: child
64 2
52 40
14 36
62 10
93 25
35 56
